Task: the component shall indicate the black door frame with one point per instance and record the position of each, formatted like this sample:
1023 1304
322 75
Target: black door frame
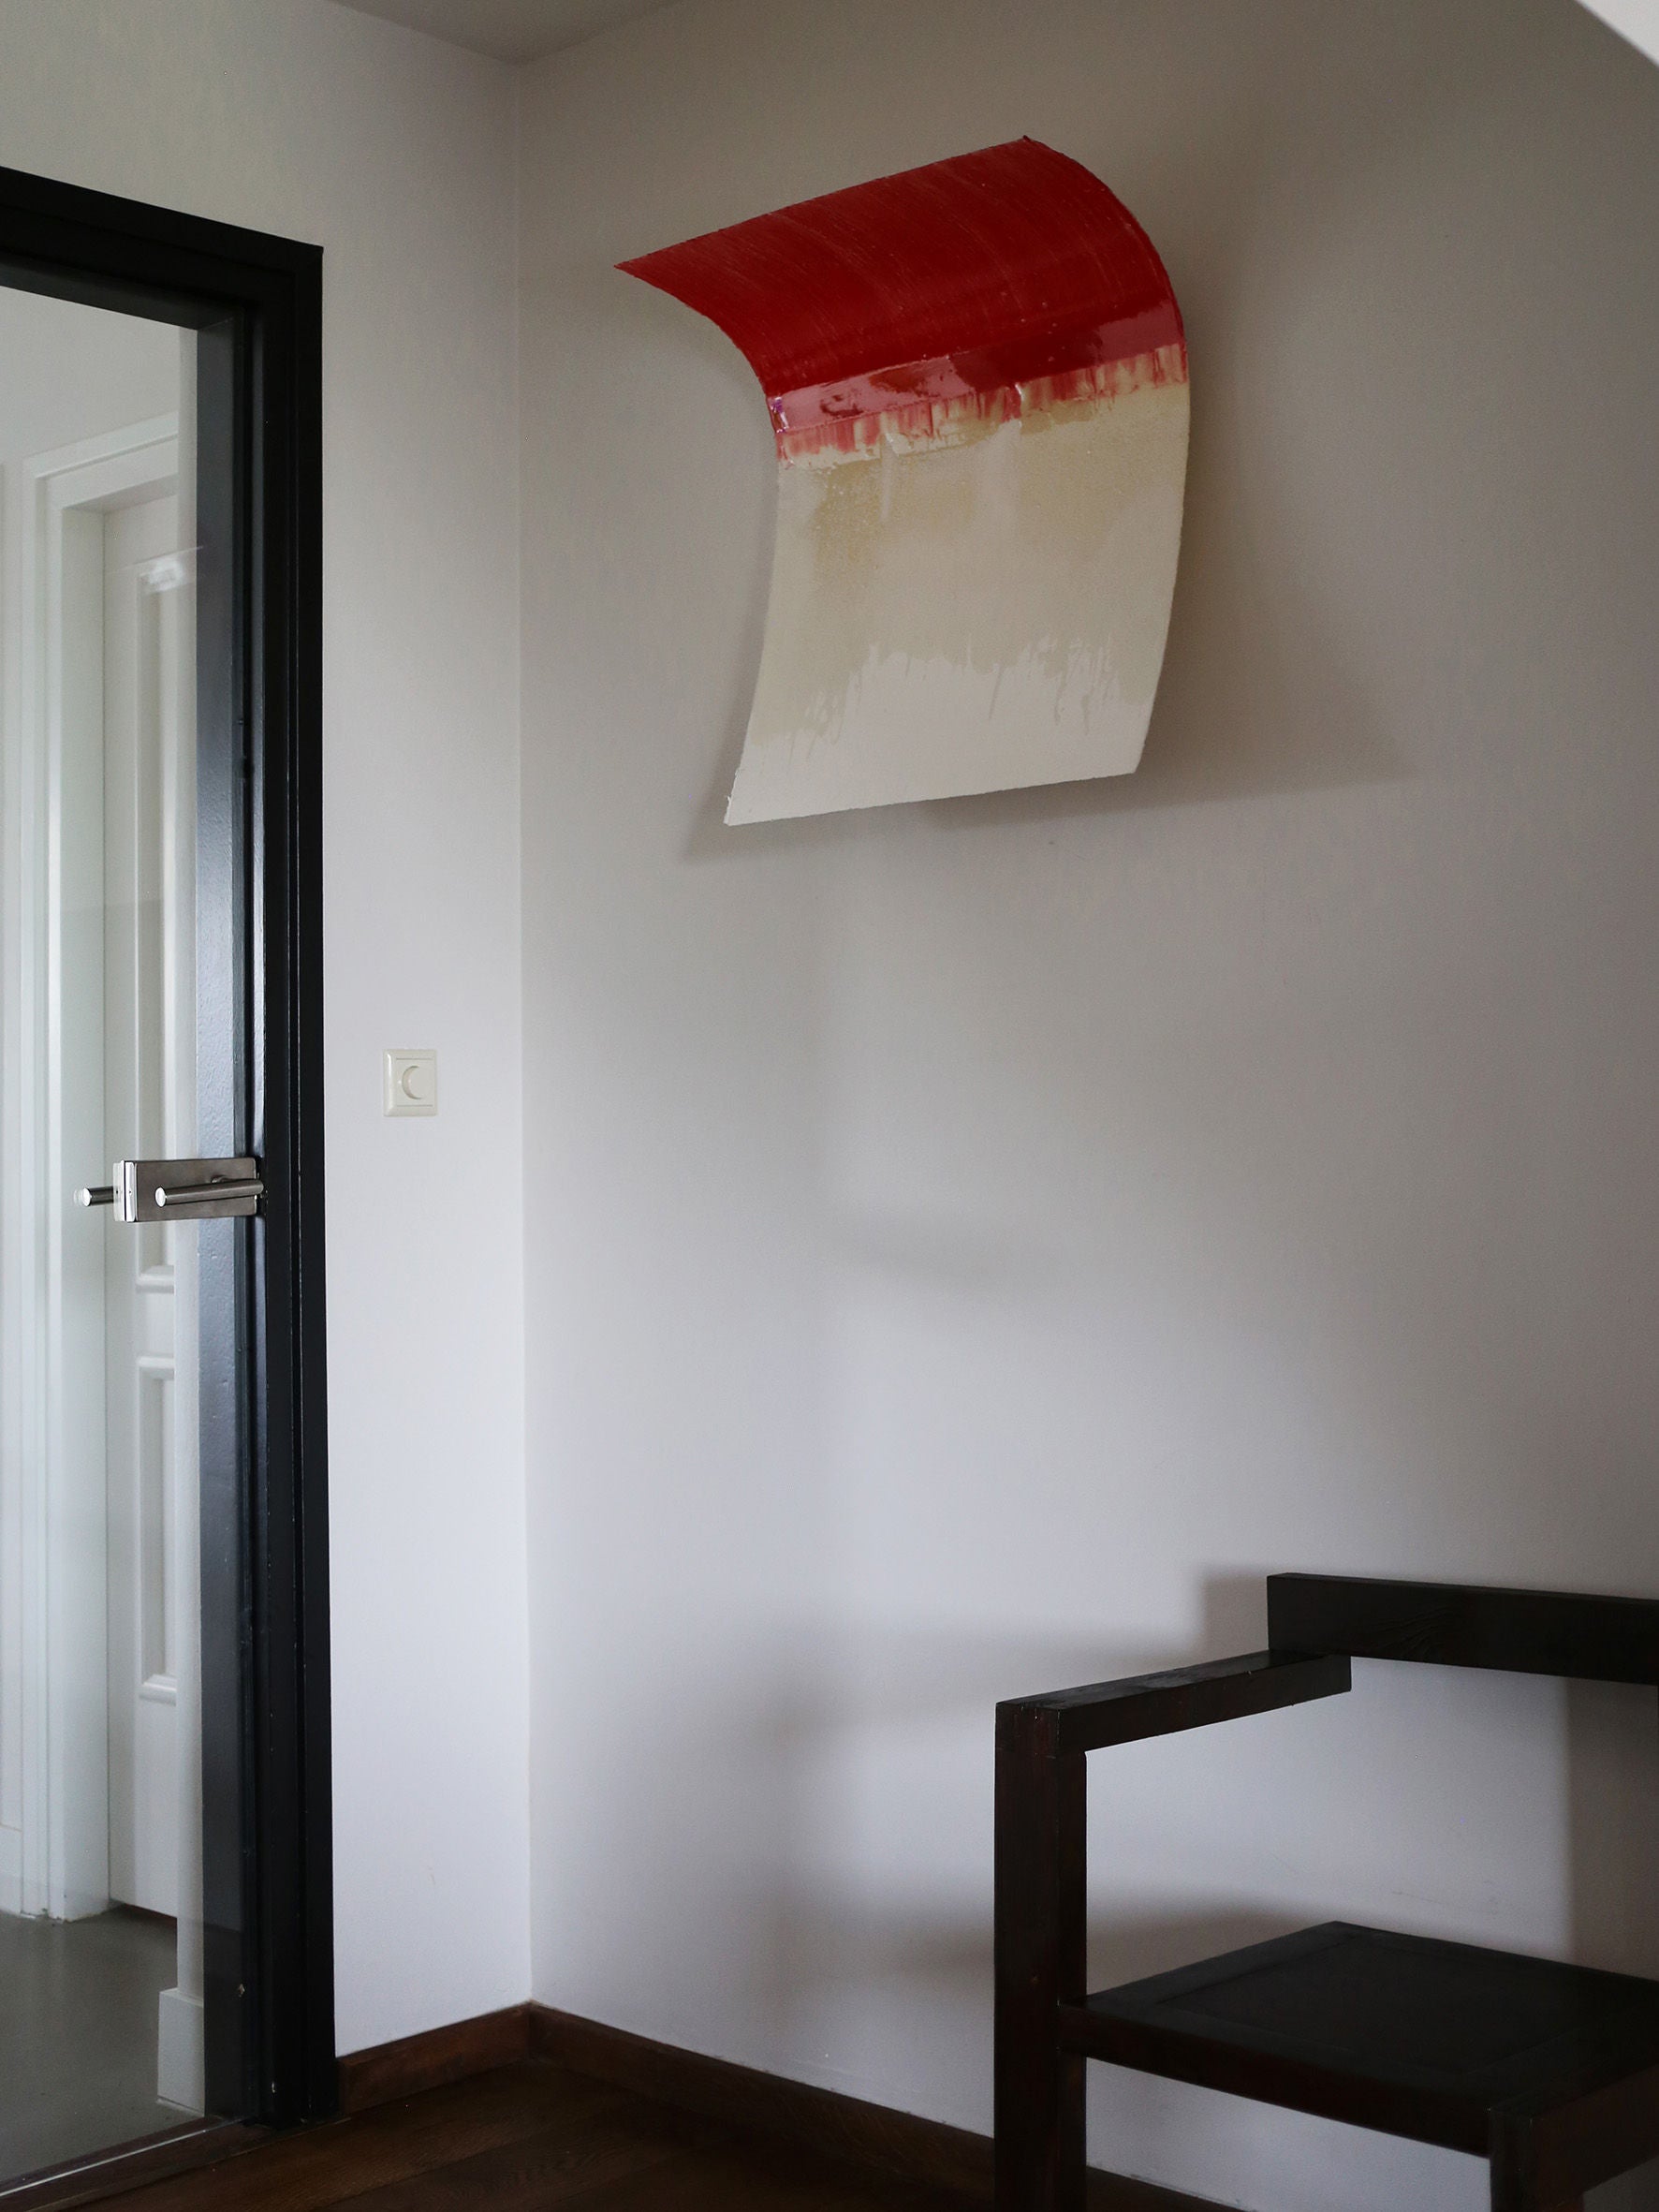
256 303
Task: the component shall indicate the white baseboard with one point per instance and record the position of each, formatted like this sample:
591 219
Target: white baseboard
12 1869
182 2071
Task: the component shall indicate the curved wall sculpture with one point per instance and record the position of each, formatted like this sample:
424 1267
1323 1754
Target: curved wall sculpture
977 379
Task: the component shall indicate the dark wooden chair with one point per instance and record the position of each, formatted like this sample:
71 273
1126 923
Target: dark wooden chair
1550 2072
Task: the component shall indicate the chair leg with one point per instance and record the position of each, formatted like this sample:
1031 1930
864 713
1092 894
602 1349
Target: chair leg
1040 1908
1041 2161
1510 2194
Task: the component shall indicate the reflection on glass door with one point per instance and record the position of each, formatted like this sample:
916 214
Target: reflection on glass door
101 1988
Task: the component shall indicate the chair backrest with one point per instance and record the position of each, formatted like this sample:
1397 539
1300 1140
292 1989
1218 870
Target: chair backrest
1460 1625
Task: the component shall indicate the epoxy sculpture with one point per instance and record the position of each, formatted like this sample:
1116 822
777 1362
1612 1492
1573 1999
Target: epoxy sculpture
977 379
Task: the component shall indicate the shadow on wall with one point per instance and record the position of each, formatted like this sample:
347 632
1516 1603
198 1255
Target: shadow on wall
1612 1818
1264 690
833 1817
1259 693
1298 720
811 1906
1613 1826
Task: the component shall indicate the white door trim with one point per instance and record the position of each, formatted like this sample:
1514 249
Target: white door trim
53 1762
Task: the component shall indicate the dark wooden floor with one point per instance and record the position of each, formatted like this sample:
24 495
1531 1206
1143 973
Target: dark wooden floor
529 2136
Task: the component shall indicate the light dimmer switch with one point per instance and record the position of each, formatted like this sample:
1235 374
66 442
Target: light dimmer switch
411 1083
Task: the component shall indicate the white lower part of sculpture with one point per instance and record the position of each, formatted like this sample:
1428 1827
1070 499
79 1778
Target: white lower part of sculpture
1636 20
979 609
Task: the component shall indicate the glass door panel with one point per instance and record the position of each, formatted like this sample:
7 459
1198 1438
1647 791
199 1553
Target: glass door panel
105 1054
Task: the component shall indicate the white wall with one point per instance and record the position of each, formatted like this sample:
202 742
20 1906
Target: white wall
396 154
968 1244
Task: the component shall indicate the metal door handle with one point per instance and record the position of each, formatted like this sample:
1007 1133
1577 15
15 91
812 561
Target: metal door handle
179 1190
217 1191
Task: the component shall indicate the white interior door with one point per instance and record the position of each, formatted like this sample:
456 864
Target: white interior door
56 844
148 1081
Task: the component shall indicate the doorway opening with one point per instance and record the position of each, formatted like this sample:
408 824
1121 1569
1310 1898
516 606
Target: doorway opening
165 1902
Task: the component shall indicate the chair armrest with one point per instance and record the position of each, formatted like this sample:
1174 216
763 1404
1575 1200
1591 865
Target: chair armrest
1105 1713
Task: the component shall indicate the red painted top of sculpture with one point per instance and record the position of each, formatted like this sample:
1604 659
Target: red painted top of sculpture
984 271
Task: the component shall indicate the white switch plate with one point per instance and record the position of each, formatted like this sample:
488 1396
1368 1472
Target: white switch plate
411 1083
